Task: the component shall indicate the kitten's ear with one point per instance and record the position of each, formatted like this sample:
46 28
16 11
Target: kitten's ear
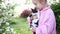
32 9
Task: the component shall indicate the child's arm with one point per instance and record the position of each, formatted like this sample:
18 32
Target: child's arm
28 20
47 24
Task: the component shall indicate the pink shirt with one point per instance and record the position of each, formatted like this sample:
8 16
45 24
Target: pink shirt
47 22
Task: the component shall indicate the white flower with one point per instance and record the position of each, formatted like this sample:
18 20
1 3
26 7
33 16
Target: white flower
0 29
14 32
2 0
3 33
8 29
7 23
12 29
6 2
4 21
1 21
3 5
11 3
10 14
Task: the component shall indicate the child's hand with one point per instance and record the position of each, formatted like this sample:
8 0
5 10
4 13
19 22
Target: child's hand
33 29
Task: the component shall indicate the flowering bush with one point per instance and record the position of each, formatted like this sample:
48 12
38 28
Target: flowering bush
6 12
25 13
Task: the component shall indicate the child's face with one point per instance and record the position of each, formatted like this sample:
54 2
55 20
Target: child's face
37 4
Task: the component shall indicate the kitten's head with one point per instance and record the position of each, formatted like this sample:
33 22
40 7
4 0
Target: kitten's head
34 10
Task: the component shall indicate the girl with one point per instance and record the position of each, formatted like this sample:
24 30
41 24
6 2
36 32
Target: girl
47 22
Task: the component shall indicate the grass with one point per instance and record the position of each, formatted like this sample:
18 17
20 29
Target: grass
21 26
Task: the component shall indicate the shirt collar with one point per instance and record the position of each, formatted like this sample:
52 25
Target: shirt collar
46 8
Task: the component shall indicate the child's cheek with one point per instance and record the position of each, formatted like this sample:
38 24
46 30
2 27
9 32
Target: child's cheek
38 6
